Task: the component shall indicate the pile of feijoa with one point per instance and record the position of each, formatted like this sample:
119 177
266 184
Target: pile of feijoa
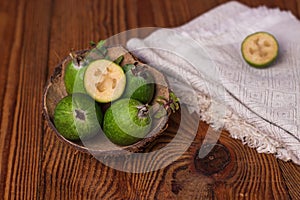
93 80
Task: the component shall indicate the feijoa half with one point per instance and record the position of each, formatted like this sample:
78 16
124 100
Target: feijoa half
104 80
260 49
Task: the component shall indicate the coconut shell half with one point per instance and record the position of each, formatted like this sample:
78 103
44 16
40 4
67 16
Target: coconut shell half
55 90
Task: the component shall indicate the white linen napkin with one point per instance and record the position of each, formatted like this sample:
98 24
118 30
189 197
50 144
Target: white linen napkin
203 63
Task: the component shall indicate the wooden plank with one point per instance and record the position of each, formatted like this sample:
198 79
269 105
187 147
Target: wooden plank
7 32
250 175
291 175
69 174
244 174
25 62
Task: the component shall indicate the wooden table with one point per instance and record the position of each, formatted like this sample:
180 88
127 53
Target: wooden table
35 164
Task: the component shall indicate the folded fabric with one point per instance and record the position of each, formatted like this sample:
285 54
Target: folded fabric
203 63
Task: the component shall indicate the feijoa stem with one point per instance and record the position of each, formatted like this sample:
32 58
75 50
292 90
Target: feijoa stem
143 111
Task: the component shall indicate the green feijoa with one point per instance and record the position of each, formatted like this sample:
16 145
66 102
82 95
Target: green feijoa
77 116
74 74
140 83
126 121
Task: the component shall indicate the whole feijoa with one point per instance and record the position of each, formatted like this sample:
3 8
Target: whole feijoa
126 121
140 83
77 116
74 76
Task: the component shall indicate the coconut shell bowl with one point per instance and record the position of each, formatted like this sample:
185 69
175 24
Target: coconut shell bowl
55 90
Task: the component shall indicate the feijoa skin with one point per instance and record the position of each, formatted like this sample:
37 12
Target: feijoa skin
126 121
77 116
140 84
74 77
260 49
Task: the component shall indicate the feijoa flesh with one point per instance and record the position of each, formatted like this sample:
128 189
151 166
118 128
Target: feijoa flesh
260 49
104 80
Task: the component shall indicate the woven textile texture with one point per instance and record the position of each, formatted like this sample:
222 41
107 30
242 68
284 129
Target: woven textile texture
203 63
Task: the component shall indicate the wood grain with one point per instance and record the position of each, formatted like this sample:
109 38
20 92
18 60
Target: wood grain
34 164
21 122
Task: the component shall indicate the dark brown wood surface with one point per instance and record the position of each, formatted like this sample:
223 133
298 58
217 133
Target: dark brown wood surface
35 35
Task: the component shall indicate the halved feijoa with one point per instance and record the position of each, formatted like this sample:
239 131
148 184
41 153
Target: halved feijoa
260 49
104 80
